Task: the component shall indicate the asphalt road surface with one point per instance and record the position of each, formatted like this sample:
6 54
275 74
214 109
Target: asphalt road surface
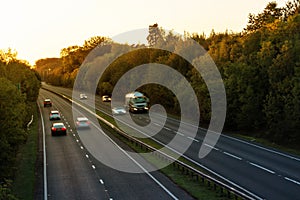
264 172
73 173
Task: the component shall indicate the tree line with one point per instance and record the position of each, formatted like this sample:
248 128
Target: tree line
260 67
19 89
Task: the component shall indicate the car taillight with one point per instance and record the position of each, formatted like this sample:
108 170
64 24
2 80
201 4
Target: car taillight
53 129
63 129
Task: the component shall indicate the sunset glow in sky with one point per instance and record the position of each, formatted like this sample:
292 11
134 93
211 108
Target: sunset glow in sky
40 29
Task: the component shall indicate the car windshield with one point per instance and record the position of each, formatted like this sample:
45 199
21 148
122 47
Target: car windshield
139 100
119 109
82 120
58 125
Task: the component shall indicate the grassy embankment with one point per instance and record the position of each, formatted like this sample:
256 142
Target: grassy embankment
24 182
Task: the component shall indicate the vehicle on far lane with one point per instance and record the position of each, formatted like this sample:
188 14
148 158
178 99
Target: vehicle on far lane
54 115
106 98
136 102
47 103
119 111
58 129
83 96
82 123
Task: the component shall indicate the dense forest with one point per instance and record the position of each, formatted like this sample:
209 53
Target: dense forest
19 89
260 67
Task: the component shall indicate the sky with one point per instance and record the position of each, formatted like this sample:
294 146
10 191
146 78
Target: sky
39 29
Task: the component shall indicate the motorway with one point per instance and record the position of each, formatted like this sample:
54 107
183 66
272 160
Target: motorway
73 173
263 172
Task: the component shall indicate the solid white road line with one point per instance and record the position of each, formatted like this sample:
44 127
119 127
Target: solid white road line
44 154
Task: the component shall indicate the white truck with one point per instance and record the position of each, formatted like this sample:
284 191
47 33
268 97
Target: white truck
136 102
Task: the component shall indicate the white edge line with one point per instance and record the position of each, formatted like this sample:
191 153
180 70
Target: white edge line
44 155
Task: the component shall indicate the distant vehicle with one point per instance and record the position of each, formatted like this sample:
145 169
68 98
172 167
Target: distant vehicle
54 115
119 111
83 96
47 103
136 102
82 122
106 98
58 129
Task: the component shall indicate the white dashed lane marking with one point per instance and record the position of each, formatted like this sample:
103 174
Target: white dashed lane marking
211 147
167 128
231 155
193 139
261 167
292 180
179 133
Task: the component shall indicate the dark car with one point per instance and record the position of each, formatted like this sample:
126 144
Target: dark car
54 115
58 129
47 103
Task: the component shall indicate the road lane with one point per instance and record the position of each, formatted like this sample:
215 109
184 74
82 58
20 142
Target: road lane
116 184
69 175
266 172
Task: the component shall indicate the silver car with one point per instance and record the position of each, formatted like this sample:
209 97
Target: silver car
82 123
119 111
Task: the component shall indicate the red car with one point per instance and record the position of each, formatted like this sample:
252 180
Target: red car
58 129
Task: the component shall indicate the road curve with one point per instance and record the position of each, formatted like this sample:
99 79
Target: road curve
73 173
265 172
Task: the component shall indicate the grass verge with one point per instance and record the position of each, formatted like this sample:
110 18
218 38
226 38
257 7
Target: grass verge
267 143
23 185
